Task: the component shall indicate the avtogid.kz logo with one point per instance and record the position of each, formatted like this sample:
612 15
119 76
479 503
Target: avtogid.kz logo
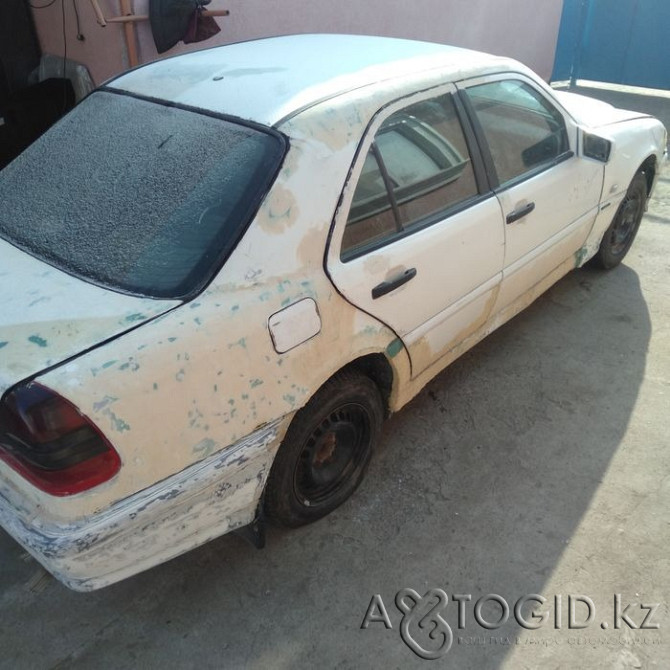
425 630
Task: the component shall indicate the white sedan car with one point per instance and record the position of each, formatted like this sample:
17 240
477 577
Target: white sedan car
223 270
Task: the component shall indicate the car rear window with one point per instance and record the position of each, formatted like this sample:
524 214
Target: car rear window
138 196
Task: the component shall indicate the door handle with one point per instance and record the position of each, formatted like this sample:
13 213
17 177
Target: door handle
392 284
520 213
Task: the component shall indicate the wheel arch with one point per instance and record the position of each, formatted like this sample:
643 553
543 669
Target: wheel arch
379 370
649 169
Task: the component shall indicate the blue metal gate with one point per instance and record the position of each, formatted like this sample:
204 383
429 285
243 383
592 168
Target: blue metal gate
616 41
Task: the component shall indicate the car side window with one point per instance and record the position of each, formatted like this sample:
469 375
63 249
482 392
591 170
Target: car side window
418 168
523 130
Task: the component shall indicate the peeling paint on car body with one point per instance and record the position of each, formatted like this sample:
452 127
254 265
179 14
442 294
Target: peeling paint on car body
196 398
217 494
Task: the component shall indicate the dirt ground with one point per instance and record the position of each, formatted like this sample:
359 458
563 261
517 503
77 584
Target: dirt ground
536 464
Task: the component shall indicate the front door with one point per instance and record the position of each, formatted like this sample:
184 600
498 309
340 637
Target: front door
549 195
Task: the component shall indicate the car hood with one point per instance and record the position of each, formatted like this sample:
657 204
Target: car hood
48 316
593 113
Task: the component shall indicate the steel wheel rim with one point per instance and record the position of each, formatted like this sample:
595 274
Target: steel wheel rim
625 226
333 455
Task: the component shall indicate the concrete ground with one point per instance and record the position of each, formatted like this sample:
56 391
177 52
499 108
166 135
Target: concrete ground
536 464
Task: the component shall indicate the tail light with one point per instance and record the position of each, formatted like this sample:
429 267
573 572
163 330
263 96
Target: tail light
51 443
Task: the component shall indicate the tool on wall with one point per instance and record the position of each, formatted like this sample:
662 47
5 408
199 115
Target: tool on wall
171 21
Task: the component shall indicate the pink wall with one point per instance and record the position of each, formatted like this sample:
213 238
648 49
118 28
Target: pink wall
524 29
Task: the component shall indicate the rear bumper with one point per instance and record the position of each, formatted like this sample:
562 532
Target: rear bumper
208 499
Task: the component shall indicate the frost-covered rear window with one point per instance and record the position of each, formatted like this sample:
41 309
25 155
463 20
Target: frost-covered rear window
137 196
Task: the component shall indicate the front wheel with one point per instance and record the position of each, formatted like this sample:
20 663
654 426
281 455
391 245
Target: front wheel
326 451
619 237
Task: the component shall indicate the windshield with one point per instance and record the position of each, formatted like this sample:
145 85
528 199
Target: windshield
137 196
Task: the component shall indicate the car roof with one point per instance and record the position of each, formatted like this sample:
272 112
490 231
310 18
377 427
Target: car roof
272 79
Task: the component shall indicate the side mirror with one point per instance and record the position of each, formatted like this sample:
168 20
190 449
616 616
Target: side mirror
596 147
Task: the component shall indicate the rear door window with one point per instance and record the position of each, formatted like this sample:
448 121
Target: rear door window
417 170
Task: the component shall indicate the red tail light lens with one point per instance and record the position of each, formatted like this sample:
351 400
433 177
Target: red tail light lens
51 443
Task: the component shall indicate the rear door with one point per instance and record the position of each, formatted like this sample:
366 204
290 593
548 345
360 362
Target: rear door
419 240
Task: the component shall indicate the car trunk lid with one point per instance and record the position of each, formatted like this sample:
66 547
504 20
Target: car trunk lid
48 316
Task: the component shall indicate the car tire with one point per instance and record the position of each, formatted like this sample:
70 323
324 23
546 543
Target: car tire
619 237
326 451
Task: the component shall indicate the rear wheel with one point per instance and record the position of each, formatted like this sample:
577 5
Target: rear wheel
619 236
326 451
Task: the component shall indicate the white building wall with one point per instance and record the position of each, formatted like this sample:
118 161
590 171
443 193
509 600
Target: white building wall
523 29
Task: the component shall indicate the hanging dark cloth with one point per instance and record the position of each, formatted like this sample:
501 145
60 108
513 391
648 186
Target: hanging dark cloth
200 27
175 20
